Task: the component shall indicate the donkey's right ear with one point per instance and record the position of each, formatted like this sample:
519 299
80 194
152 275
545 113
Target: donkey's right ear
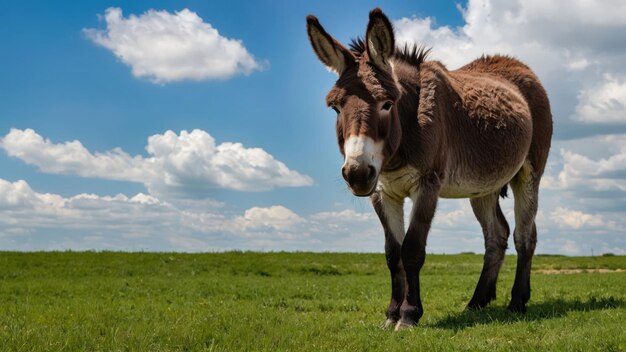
332 54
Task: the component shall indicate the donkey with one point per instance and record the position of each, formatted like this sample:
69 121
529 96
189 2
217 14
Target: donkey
408 127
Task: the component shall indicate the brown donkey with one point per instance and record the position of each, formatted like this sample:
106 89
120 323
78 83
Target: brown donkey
410 128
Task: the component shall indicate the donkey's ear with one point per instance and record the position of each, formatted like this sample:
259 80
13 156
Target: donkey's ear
332 54
379 39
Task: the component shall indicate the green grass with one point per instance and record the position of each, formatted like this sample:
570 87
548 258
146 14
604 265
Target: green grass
107 301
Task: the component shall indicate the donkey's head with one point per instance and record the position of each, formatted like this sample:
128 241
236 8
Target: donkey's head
364 98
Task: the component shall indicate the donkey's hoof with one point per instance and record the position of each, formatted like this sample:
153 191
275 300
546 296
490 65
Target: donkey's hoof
517 307
403 325
477 304
482 297
473 306
389 323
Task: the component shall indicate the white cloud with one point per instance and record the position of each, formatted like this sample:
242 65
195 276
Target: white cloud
85 221
347 215
541 32
15 195
189 160
576 219
585 190
185 165
490 28
455 217
604 103
274 218
166 47
72 157
584 173
578 64
26 208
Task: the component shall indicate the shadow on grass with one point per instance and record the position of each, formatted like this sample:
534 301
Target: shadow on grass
539 311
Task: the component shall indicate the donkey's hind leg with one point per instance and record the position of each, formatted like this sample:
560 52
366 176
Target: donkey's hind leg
525 189
496 231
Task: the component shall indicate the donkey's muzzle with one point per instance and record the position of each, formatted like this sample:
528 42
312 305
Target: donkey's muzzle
360 177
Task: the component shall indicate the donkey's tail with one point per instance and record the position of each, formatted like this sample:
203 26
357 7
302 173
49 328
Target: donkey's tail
504 192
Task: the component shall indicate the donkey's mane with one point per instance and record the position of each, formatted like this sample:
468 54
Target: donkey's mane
411 54
357 45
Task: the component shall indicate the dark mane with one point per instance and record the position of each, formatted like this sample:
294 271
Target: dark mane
357 45
411 54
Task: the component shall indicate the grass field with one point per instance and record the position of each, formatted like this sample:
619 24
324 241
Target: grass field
86 301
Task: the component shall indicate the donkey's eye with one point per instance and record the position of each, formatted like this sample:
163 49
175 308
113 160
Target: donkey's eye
387 106
335 108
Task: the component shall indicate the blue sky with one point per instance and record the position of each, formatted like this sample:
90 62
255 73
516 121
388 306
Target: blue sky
105 75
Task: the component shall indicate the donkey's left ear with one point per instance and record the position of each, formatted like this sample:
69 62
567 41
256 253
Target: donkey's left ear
379 39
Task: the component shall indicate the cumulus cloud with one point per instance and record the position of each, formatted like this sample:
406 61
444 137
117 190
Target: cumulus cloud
72 157
604 103
184 165
576 219
490 28
86 221
580 171
166 47
25 208
274 218
543 32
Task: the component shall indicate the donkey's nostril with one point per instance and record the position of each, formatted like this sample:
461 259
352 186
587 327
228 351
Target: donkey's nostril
344 173
371 172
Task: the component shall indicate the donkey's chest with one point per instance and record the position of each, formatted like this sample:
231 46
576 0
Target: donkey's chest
399 183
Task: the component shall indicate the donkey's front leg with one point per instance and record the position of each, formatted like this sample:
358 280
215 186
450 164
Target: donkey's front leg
390 211
414 247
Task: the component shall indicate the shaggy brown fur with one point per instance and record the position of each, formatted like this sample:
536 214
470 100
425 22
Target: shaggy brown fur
465 133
